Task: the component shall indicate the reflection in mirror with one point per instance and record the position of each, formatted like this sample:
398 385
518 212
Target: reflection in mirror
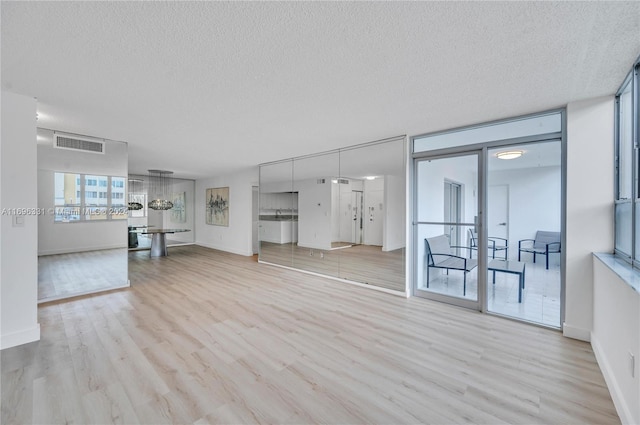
82 242
143 218
313 176
347 213
371 214
277 220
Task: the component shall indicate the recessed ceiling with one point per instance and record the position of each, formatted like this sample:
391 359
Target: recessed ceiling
209 88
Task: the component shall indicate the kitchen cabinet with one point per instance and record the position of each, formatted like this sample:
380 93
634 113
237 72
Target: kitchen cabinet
279 231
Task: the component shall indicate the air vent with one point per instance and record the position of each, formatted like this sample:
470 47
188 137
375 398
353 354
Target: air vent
321 181
77 144
343 181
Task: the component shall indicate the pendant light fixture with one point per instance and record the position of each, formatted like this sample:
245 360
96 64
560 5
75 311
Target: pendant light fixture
134 188
160 186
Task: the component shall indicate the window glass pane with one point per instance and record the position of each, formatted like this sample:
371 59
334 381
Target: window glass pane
118 205
625 144
95 198
543 124
623 227
524 218
66 197
637 238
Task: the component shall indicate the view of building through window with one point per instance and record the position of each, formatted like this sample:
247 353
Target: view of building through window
80 197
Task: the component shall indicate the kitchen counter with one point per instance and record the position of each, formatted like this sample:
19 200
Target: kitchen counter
279 218
280 230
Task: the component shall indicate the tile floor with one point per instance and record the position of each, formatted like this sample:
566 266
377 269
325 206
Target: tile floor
540 298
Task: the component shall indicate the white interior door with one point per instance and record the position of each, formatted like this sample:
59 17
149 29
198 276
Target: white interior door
357 225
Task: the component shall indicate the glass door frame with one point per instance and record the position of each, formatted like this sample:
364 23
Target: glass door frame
476 304
482 303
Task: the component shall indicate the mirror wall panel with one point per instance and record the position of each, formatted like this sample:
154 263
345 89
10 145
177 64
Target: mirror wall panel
181 216
313 176
372 214
277 220
347 213
82 233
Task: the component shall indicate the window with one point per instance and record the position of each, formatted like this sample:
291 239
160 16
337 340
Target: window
67 203
627 207
117 201
76 198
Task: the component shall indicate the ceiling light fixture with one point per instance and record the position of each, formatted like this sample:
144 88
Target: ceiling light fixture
370 177
160 185
135 186
509 154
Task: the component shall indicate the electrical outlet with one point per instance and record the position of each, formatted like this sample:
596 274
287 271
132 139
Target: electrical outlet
632 364
322 255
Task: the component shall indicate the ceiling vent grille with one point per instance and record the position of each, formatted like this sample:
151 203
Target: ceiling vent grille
343 181
77 144
321 181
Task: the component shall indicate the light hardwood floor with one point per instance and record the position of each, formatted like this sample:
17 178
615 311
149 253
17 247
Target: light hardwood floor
359 263
67 275
208 337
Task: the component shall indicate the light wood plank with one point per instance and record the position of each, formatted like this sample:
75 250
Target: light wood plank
204 336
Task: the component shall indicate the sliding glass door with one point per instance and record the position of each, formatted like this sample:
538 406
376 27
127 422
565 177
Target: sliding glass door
448 210
524 216
508 260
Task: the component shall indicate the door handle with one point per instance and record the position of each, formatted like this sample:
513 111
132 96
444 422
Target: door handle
502 224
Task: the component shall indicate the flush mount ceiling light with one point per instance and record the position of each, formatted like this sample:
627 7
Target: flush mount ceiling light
370 177
509 154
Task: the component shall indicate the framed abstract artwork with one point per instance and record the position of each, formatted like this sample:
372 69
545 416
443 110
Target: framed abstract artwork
217 204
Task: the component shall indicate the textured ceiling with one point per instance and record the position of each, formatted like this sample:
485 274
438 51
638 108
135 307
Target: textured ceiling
207 88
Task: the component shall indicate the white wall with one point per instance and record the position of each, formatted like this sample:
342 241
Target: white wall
535 203
336 205
59 238
394 226
615 335
237 238
19 245
589 225
314 213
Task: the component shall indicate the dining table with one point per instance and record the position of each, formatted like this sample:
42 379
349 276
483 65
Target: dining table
159 240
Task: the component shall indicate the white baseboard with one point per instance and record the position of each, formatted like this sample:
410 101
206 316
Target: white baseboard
576 332
21 337
80 249
392 247
612 383
318 247
225 249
